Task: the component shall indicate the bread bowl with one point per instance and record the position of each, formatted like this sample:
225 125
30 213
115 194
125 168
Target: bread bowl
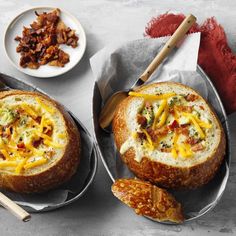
148 200
39 142
167 134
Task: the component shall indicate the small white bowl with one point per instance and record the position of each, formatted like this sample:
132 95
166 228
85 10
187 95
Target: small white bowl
45 71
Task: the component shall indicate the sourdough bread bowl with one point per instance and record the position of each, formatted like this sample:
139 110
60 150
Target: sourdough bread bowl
167 134
39 142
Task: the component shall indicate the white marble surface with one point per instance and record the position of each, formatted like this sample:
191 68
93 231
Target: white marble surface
98 212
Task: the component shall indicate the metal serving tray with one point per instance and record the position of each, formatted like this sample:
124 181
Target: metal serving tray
196 202
87 168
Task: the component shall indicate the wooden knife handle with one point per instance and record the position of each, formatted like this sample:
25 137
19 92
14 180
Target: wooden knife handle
171 43
14 208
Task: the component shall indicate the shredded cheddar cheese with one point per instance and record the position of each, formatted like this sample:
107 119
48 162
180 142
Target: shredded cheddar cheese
198 128
134 135
176 115
15 134
62 136
182 151
174 153
34 150
44 106
163 117
42 122
20 166
151 96
202 123
30 134
175 148
8 132
35 163
4 164
188 150
53 144
159 111
148 138
29 110
205 125
196 124
5 154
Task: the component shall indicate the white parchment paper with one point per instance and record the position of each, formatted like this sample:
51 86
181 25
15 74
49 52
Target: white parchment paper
118 66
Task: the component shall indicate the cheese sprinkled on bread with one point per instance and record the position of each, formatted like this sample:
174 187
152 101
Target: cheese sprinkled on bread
34 135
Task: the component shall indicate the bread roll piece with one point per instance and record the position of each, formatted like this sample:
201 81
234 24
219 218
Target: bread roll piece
148 200
39 142
168 134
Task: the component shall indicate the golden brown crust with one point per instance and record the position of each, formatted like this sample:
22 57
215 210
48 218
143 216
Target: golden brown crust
162 174
148 200
56 174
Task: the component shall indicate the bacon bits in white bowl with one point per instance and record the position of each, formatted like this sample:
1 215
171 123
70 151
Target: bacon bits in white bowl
44 42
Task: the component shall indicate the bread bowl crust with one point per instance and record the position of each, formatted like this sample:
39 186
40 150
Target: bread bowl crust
148 200
162 174
56 174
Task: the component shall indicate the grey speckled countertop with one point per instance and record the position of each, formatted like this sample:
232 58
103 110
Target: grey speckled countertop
98 212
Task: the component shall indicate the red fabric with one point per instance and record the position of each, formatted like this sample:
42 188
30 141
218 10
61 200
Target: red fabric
215 56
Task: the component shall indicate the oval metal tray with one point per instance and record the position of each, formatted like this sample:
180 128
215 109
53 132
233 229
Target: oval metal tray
87 168
209 194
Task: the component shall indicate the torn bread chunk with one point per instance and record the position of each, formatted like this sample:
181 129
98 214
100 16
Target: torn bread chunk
148 200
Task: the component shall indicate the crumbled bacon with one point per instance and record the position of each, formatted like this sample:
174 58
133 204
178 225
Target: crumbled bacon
185 131
173 125
184 125
191 97
19 110
38 119
54 56
21 145
142 120
191 141
165 149
162 131
181 108
182 130
202 107
148 104
152 134
39 44
197 147
2 156
48 130
155 133
141 135
171 111
36 143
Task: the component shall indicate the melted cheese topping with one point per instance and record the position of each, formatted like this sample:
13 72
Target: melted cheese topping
182 131
32 134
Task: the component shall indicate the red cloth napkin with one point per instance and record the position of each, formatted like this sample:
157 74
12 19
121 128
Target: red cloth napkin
215 56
